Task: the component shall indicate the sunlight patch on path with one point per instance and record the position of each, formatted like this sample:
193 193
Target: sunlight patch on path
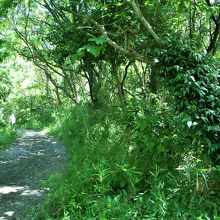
23 190
32 158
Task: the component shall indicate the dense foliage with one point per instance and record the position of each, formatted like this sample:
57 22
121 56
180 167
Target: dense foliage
123 171
132 89
195 87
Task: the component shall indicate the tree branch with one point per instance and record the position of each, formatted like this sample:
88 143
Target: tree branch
215 35
132 53
213 17
145 22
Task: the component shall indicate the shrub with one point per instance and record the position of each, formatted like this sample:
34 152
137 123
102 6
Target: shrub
115 173
192 80
7 136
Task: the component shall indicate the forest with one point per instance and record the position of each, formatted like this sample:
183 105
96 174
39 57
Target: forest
132 89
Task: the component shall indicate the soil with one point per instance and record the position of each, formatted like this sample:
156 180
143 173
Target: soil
32 158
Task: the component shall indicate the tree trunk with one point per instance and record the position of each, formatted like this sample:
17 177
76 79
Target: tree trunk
93 85
153 80
118 83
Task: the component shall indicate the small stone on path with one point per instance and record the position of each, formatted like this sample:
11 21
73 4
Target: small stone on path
32 158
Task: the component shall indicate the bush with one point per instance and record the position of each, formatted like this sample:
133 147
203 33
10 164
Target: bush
38 119
115 173
192 79
7 136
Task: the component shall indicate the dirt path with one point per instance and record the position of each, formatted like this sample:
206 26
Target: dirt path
32 158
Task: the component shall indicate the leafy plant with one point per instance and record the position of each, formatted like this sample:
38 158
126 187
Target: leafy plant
7 136
193 84
113 175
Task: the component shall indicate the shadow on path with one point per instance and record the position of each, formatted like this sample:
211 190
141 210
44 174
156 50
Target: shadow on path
32 158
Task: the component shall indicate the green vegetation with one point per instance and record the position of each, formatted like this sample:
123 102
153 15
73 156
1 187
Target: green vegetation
132 90
7 136
123 171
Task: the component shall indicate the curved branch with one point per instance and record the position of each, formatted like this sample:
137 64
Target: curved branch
145 22
125 76
132 53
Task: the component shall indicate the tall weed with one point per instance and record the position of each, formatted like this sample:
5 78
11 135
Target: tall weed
114 174
7 136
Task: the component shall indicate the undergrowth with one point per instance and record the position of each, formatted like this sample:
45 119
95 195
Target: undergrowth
7 136
37 120
130 164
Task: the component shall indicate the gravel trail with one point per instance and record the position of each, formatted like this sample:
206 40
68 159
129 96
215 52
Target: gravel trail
32 158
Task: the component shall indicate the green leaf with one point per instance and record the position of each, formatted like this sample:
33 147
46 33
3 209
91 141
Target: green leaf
213 128
195 123
177 67
204 119
189 124
150 144
80 52
160 148
193 79
94 50
98 40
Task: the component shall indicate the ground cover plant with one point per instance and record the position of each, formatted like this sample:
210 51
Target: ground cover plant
109 176
7 136
132 89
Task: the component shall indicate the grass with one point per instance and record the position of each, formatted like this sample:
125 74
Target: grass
111 176
7 136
